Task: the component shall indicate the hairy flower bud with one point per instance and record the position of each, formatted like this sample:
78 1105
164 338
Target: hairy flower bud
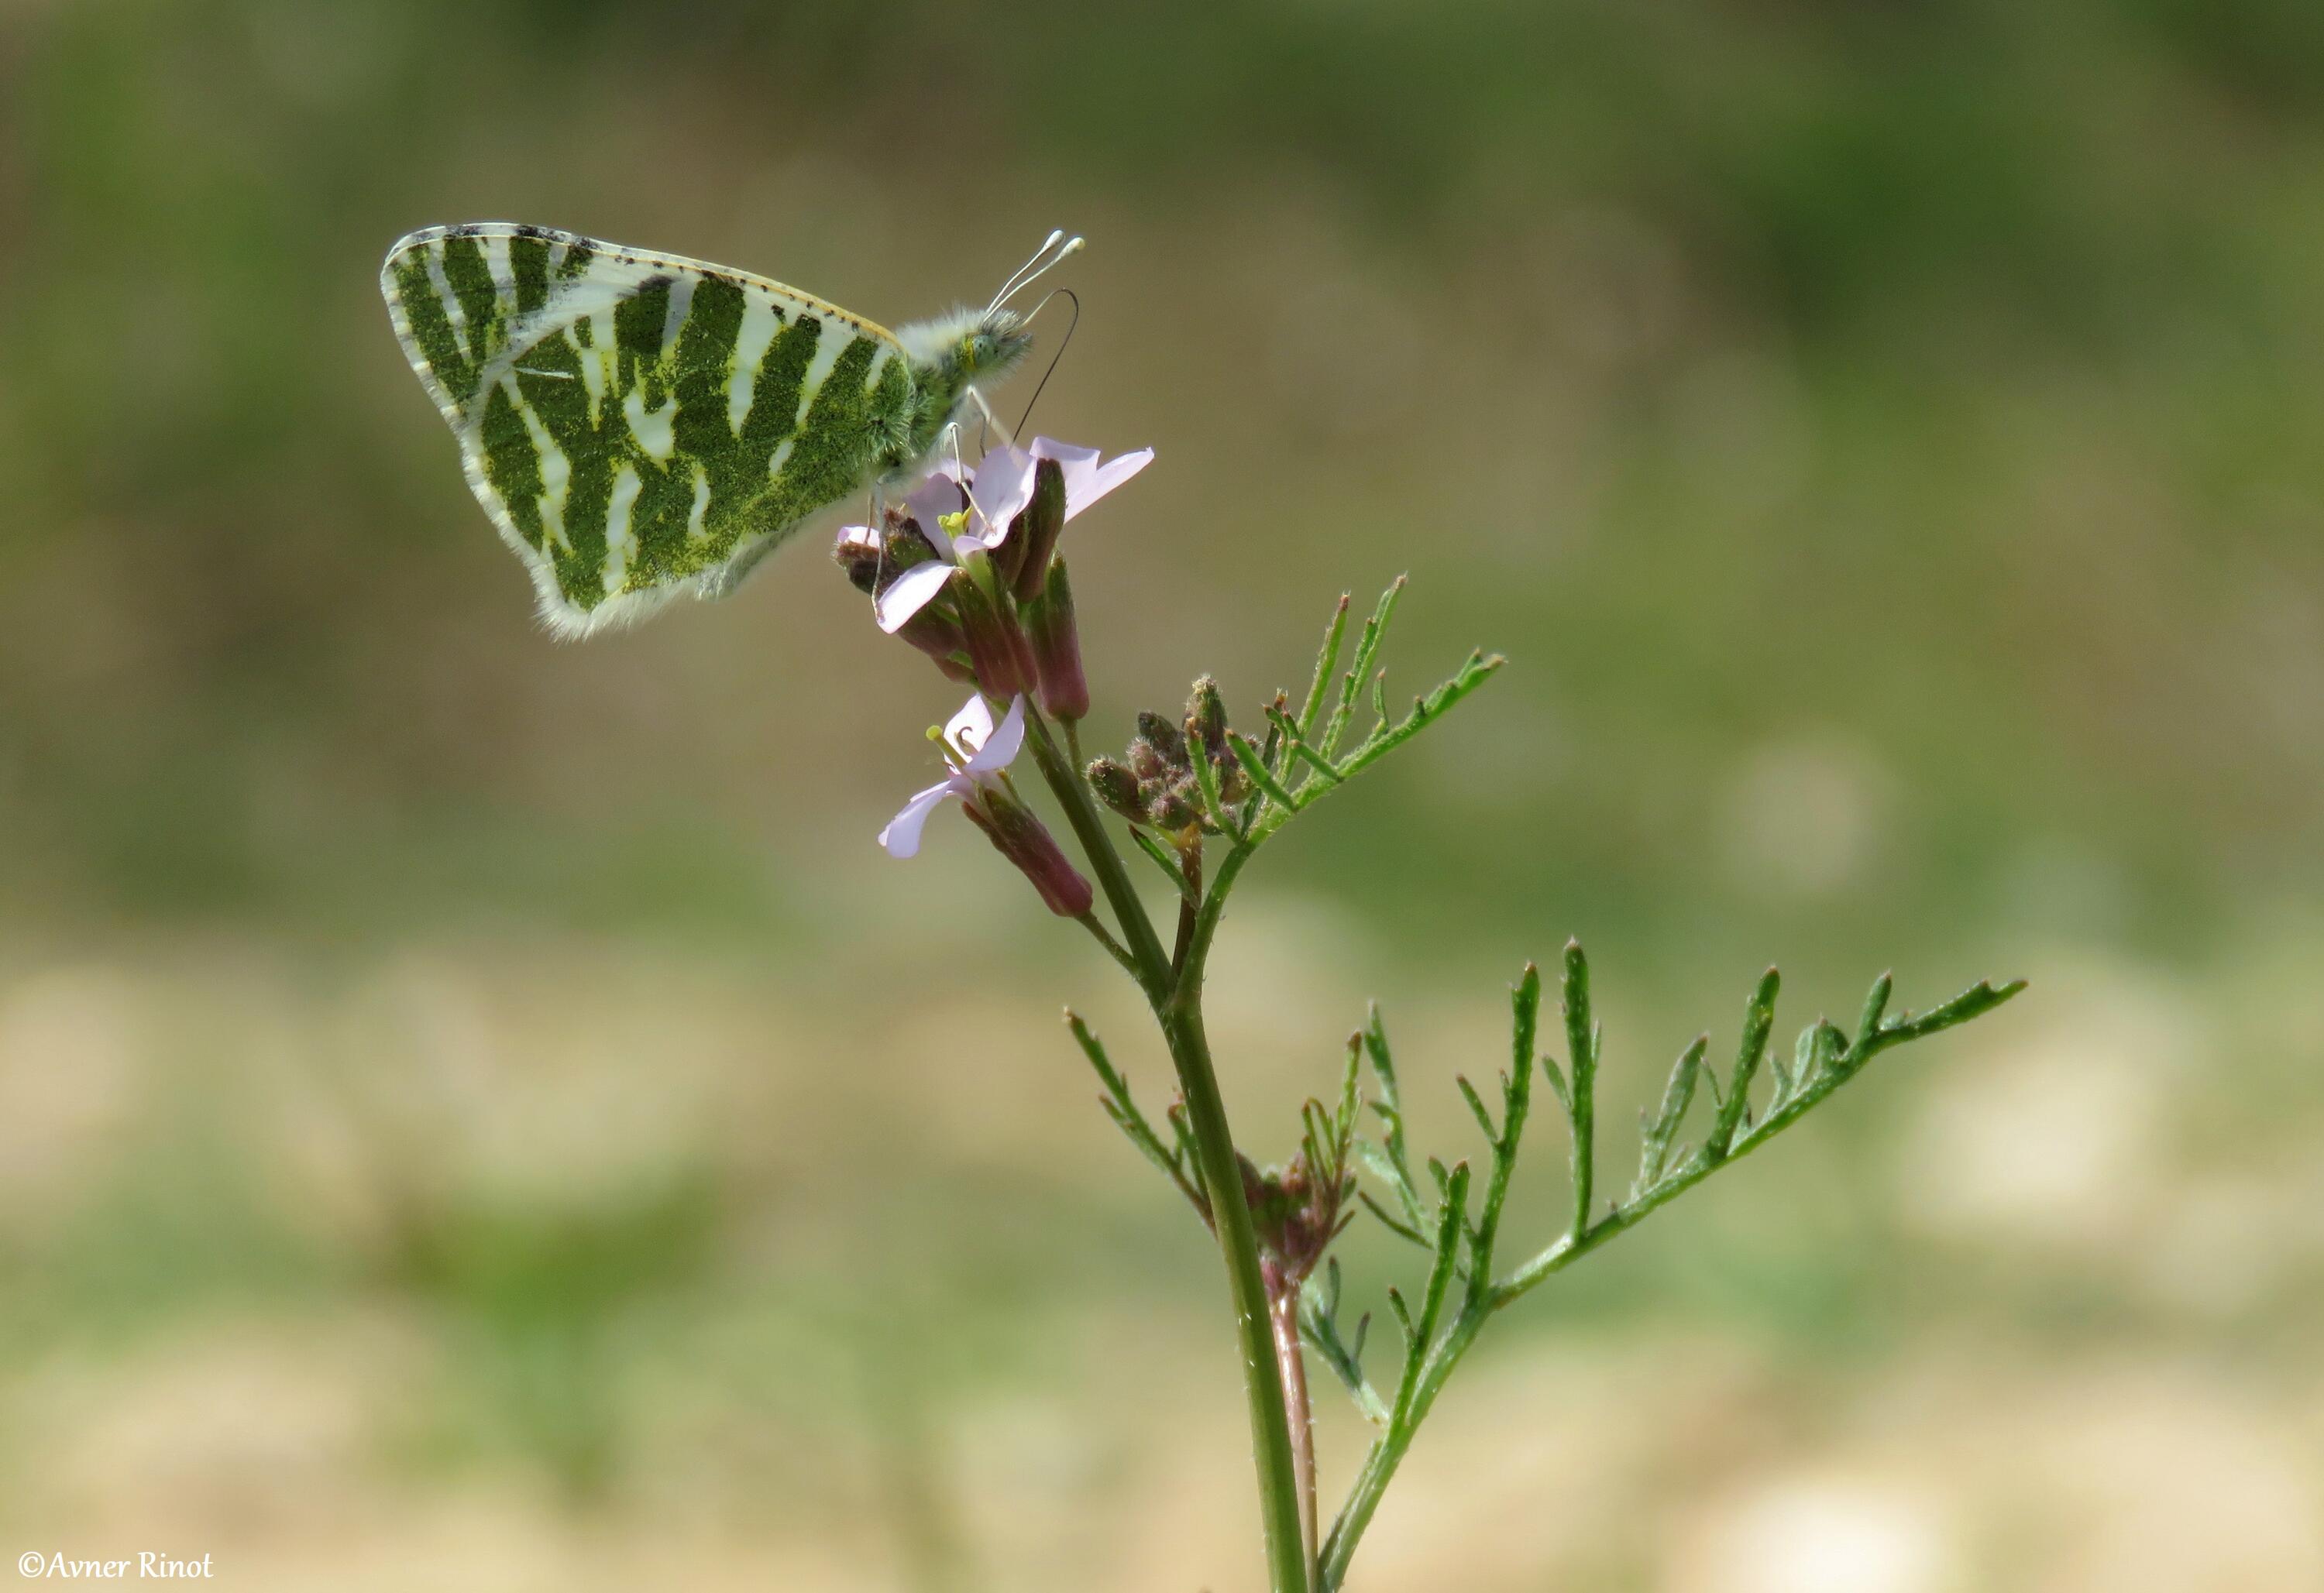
1117 788
1172 807
1206 719
1164 737
1034 533
1057 646
1206 736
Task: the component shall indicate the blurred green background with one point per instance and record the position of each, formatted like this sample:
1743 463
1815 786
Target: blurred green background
480 1113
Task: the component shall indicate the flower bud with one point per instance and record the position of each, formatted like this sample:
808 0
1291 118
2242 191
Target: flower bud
857 554
1018 834
1206 719
1145 761
1294 1213
1117 788
1164 737
940 636
1057 646
1206 734
872 563
905 543
996 649
1034 533
1172 807
1008 558
1234 786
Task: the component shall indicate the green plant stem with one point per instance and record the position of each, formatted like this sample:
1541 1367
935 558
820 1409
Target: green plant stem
1387 1451
1270 1428
1153 965
1178 1008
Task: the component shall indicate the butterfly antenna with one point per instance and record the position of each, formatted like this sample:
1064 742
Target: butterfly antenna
1017 277
1054 249
1074 300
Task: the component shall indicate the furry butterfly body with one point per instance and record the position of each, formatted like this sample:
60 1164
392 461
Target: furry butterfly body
641 427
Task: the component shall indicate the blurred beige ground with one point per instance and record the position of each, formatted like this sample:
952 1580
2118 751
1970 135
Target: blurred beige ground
482 1114
2095 1375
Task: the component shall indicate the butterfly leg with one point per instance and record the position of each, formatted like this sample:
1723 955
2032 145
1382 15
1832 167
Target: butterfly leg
991 422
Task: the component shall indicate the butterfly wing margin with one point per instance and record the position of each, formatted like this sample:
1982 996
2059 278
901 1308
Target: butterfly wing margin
590 385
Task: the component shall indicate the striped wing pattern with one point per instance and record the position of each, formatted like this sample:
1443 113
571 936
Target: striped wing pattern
640 426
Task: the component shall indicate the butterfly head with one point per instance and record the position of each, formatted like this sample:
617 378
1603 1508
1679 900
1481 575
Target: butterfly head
989 347
952 356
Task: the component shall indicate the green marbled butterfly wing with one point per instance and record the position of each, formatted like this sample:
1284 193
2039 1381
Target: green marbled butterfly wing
638 426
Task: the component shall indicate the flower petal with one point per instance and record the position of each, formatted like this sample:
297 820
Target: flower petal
1110 476
1072 456
927 504
910 591
1087 480
972 727
997 750
1002 487
902 835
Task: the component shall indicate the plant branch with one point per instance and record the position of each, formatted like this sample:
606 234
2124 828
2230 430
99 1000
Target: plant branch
1828 1059
1122 1107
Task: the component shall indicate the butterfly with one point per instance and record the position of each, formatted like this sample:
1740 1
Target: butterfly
641 427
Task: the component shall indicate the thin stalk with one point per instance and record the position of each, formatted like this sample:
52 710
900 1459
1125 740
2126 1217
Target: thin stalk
1113 948
1190 895
1214 906
1293 1360
1080 813
1177 1002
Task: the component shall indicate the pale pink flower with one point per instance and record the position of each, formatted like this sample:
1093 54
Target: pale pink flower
978 753
982 503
